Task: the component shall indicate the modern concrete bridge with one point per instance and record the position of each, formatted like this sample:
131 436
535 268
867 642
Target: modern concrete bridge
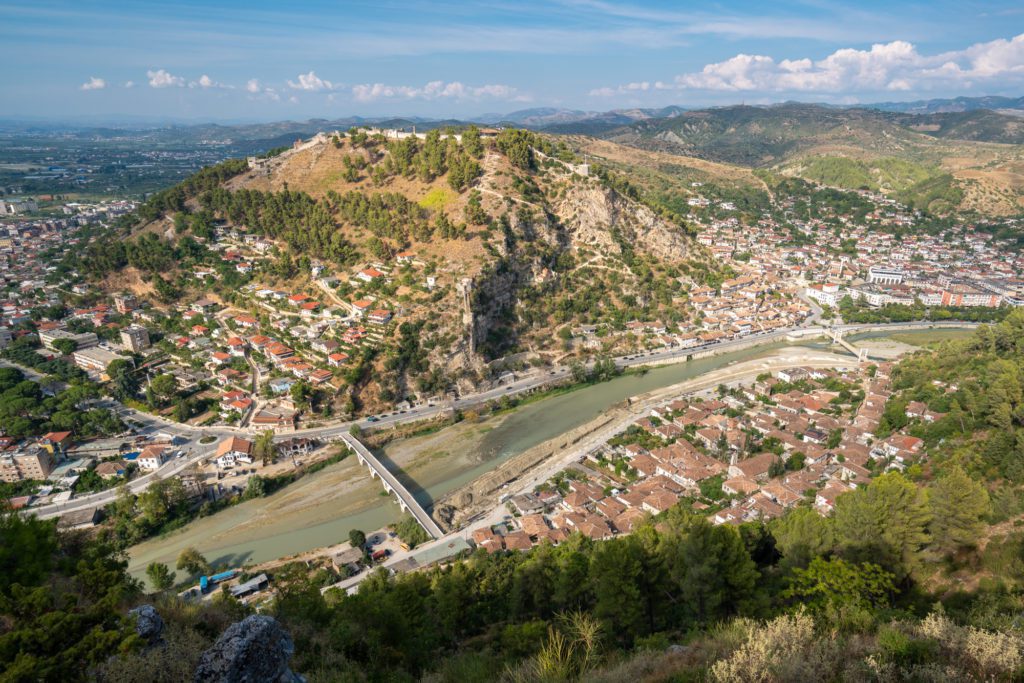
391 484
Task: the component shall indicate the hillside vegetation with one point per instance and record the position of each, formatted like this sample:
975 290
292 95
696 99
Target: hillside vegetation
974 156
914 576
885 588
516 243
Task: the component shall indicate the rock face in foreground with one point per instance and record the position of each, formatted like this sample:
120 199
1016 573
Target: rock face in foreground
148 624
254 650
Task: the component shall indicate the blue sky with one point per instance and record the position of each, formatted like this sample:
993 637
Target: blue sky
233 60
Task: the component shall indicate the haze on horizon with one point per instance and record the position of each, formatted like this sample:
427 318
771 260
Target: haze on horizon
229 60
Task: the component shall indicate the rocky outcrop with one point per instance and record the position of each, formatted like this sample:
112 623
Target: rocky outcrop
149 625
493 300
604 220
254 650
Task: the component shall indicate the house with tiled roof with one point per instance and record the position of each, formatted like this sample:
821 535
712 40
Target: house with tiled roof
488 540
361 307
259 341
369 274
380 316
236 346
534 525
825 500
153 456
517 540
109 470
659 501
320 376
755 467
233 450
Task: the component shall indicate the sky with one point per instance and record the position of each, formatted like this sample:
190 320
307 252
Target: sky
228 60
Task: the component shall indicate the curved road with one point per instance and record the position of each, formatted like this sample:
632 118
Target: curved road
195 453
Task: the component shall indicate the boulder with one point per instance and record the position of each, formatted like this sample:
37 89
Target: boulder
253 650
148 623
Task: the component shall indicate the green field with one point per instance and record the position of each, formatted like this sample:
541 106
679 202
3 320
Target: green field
930 337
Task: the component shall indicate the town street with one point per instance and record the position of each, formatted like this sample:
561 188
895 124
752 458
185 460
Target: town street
195 453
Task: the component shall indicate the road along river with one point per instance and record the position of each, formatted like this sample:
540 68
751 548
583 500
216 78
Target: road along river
321 508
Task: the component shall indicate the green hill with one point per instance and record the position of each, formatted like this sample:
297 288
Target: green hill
973 156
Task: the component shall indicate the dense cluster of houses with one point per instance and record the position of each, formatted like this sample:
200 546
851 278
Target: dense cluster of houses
961 266
803 436
26 275
751 303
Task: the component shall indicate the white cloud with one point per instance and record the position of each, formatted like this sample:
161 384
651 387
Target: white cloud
641 86
205 82
256 90
369 92
311 82
162 79
896 66
94 84
129 84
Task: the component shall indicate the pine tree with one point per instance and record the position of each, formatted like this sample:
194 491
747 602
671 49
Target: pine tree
885 522
615 572
958 505
160 576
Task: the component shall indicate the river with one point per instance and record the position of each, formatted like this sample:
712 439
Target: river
320 509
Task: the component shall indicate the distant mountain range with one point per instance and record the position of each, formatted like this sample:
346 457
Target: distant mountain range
543 118
955 105
548 119
930 153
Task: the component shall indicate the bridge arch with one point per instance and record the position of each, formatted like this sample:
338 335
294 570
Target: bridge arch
391 484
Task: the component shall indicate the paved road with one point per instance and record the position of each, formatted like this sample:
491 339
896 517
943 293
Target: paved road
497 513
560 373
556 463
186 437
816 309
196 453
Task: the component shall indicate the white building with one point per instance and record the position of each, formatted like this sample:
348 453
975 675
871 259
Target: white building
95 359
885 275
84 340
826 294
232 451
152 457
11 207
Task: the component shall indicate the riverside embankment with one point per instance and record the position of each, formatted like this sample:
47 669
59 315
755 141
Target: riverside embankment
320 509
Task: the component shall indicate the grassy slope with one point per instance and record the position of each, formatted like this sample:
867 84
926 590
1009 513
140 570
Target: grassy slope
857 148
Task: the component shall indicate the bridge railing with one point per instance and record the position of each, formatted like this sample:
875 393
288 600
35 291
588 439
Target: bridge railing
391 484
